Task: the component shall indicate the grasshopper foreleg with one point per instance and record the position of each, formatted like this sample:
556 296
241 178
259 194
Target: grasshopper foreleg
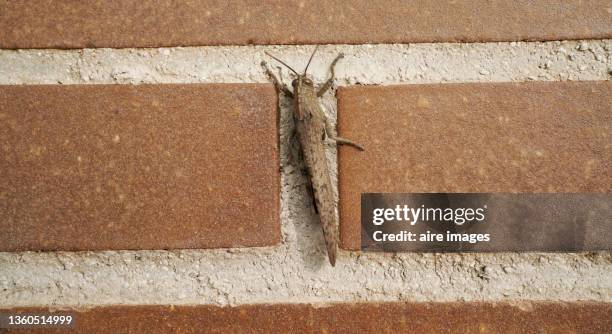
280 87
327 85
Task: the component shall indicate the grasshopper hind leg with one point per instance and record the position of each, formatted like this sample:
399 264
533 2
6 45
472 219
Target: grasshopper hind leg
310 190
339 140
297 159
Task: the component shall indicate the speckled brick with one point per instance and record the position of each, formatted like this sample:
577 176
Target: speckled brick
518 317
95 167
480 137
148 23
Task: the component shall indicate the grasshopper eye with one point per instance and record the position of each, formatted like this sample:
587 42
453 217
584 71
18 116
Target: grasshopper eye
294 83
307 81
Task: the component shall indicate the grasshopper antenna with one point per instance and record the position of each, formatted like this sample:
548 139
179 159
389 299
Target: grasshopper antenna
282 62
309 60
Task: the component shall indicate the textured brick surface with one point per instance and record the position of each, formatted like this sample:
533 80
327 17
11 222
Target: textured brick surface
347 318
95 167
138 23
506 137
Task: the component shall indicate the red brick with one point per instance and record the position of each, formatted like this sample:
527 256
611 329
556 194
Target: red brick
147 23
94 167
523 317
503 137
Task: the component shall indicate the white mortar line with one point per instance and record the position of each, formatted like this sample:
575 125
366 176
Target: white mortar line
363 64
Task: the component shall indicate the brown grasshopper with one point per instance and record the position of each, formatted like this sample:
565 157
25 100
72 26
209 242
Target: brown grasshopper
313 128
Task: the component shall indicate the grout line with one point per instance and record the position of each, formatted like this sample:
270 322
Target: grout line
363 64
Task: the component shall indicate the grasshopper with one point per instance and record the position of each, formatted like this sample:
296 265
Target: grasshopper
313 128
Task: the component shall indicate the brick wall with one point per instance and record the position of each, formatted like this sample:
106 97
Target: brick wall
147 161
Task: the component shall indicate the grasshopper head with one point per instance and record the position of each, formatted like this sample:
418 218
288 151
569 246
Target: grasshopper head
301 79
